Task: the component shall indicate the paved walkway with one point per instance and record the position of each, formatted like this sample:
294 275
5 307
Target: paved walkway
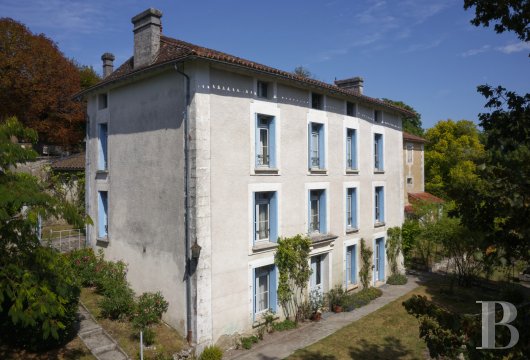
98 341
279 345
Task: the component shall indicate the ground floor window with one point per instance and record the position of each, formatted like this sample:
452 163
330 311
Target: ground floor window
264 289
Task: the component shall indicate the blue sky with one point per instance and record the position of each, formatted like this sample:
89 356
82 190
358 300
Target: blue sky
422 52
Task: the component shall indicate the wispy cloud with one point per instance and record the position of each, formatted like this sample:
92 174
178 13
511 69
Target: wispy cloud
476 51
422 46
515 47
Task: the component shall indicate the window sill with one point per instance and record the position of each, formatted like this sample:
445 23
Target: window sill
106 171
264 246
352 172
376 171
379 224
260 319
318 238
351 287
266 171
103 239
351 231
318 171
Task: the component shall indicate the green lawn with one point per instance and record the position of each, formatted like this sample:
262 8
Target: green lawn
391 333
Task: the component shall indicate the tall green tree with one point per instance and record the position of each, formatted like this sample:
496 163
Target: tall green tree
38 292
452 153
411 124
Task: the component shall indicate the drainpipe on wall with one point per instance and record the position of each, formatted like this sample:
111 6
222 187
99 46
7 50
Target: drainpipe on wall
87 179
186 208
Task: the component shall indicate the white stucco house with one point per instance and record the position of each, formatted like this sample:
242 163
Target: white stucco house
190 147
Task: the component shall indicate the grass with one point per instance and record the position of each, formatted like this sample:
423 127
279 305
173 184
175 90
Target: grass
167 341
391 333
75 349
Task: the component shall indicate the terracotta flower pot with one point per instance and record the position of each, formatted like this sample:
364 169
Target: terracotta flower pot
337 308
316 316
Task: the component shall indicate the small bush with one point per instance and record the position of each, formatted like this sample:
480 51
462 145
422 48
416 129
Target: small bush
361 298
284 325
212 353
83 262
149 310
247 342
118 303
336 297
397 279
109 275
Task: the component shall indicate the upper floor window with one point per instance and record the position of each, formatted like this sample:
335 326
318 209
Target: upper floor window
351 109
410 149
265 217
351 209
378 152
264 289
317 101
265 141
379 202
102 225
351 149
316 146
102 146
317 211
378 115
102 101
263 89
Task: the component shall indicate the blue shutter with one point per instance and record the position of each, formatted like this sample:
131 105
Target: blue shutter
256 138
382 203
353 275
273 217
354 148
309 147
380 150
102 158
354 207
382 259
312 279
273 291
323 212
321 147
253 294
272 142
309 211
102 214
254 219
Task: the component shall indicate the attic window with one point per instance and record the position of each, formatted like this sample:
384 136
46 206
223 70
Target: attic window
263 89
317 101
350 108
102 101
378 116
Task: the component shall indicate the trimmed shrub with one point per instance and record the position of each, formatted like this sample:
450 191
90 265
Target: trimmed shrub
211 353
284 325
83 262
361 298
147 312
118 302
397 279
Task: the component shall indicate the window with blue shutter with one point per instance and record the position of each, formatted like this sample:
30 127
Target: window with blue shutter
265 216
351 209
264 290
316 146
351 265
351 149
102 146
265 141
317 212
379 203
102 214
378 152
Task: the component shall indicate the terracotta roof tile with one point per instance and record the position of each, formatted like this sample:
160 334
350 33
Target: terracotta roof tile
173 50
74 162
425 197
410 137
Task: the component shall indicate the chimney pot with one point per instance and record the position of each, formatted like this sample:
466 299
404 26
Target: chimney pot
147 29
108 64
355 84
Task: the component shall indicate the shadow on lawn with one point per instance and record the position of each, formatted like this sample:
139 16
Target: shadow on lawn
392 348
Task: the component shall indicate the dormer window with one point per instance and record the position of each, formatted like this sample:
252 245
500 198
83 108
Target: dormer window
317 101
263 89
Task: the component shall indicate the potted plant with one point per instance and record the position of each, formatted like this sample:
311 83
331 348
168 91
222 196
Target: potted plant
336 299
315 301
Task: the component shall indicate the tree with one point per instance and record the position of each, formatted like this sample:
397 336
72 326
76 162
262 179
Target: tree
38 292
37 84
292 260
366 265
303 72
509 15
87 76
411 124
452 153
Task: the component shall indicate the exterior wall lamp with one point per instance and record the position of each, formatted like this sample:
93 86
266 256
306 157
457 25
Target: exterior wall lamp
195 251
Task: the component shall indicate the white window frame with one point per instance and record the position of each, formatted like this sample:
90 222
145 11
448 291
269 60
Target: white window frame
270 109
257 294
258 188
259 202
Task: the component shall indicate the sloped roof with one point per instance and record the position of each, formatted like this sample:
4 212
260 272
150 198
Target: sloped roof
411 137
74 162
425 197
173 50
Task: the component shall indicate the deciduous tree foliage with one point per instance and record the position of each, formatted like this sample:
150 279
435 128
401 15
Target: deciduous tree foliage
38 293
37 84
452 152
411 124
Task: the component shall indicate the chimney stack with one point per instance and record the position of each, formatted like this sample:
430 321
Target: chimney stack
355 84
147 29
108 65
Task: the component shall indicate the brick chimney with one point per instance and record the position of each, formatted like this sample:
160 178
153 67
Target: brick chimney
355 84
147 29
108 64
